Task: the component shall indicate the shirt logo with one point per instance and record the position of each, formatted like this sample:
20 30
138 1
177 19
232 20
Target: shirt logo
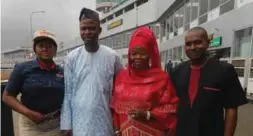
59 75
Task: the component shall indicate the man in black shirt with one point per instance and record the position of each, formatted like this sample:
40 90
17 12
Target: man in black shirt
205 88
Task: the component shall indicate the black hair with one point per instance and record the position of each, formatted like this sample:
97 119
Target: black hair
201 29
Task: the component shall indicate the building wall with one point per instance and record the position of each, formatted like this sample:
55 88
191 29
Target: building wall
162 6
145 14
17 56
130 19
226 24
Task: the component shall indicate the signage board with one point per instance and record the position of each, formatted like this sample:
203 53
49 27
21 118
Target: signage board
115 24
217 41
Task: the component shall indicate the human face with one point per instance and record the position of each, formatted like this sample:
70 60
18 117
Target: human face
89 30
139 58
45 49
196 45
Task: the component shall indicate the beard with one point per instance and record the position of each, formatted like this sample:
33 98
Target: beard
198 57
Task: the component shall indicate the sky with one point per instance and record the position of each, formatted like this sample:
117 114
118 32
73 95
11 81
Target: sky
60 17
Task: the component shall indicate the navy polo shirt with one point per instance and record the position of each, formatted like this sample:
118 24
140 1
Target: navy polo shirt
41 90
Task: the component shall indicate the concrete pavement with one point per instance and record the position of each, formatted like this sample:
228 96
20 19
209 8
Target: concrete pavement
244 125
245 120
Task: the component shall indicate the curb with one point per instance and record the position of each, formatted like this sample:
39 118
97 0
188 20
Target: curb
250 100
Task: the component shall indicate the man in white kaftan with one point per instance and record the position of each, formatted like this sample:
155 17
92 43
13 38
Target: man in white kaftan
88 88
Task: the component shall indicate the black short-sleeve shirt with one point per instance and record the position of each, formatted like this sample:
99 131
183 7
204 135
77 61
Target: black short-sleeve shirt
41 90
219 88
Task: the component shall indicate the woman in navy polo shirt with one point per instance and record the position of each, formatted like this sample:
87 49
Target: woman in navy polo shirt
41 84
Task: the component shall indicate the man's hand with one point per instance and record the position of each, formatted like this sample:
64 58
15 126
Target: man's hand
138 114
35 117
66 133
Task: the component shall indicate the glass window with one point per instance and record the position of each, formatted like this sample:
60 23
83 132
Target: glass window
103 21
178 57
175 32
194 9
118 13
124 40
181 16
110 17
243 42
163 28
171 24
129 34
106 41
155 29
252 48
166 55
180 51
176 15
119 40
184 55
187 13
227 7
186 27
202 19
152 28
130 7
240 72
213 4
162 56
101 42
167 28
174 54
116 40
110 42
251 73
140 2
203 7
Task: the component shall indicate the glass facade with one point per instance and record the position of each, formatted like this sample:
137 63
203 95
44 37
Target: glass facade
117 41
243 43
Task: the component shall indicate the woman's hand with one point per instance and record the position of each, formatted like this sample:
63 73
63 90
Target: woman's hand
117 133
138 114
35 117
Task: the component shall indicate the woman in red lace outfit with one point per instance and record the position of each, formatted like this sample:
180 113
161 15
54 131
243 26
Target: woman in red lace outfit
144 102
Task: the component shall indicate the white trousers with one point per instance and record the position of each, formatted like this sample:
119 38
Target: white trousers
29 128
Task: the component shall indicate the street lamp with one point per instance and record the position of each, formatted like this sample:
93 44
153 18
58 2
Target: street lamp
34 12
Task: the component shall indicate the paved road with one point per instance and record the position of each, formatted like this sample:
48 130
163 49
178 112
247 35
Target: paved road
245 121
244 126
